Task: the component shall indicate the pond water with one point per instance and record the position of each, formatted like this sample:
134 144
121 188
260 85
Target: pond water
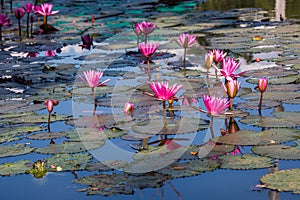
95 152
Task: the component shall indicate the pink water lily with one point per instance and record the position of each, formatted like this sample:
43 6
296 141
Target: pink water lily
4 21
19 12
50 53
229 66
87 41
146 27
128 107
92 78
45 9
50 104
214 105
186 40
148 49
231 88
136 28
29 7
262 84
163 92
218 55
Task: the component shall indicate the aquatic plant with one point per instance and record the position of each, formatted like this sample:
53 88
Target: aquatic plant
87 41
19 13
148 49
215 105
4 21
92 79
229 67
50 53
186 41
45 9
231 88
137 31
146 28
50 105
28 8
262 86
217 56
128 108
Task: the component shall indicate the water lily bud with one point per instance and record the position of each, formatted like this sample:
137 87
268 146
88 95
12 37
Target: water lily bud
209 58
128 107
50 104
232 87
262 84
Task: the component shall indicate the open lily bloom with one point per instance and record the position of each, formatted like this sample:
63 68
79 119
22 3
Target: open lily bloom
4 20
148 49
163 92
92 78
146 27
186 40
229 66
218 55
45 9
214 105
262 84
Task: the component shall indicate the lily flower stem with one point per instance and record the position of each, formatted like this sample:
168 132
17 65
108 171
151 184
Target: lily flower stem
149 70
2 4
31 27
184 60
0 33
45 19
20 31
11 7
95 104
138 40
211 126
165 112
231 104
145 143
49 115
145 39
27 30
260 103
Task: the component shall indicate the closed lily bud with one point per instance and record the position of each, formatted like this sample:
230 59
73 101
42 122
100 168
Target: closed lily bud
262 84
232 87
50 104
128 107
209 58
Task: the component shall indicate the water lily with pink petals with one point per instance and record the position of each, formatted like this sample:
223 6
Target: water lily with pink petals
163 92
148 49
218 55
45 9
229 67
128 107
87 41
19 13
215 105
186 41
4 21
262 86
50 53
137 31
92 79
50 105
146 28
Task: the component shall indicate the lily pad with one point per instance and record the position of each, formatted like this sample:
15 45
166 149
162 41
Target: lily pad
47 136
293 117
14 150
19 167
253 105
283 152
267 122
278 80
180 126
97 166
69 147
270 136
283 181
69 162
245 162
270 72
106 184
190 168
273 96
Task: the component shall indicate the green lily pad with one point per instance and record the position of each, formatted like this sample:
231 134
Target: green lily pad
14 133
245 162
70 147
292 101
283 181
14 168
253 105
278 151
97 166
190 168
279 80
293 117
270 136
69 162
14 150
269 72
267 122
47 136
207 150
106 184
94 134
273 96
181 126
